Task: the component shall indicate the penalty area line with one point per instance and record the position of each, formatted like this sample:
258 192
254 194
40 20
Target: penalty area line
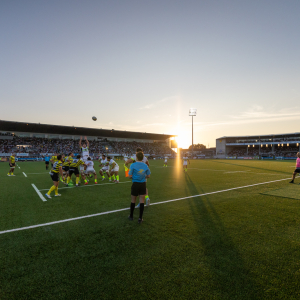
38 192
123 209
24 174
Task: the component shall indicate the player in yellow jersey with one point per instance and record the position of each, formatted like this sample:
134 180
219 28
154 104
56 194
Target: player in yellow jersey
53 159
12 165
55 171
66 165
74 169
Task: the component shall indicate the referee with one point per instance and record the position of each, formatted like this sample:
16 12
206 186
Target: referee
47 160
138 171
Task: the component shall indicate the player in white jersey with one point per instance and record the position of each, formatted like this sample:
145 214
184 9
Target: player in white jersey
90 168
125 157
185 163
166 161
104 168
84 149
114 169
145 161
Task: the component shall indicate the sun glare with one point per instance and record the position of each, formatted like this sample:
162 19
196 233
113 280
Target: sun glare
183 139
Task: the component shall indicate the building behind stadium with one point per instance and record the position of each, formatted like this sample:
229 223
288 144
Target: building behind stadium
273 146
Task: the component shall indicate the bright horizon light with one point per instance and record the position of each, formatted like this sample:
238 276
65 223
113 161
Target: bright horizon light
184 139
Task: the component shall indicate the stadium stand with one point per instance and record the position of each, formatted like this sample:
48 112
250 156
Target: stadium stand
42 145
38 139
267 146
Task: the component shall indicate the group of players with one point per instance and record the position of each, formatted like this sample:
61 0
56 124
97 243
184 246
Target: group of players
82 166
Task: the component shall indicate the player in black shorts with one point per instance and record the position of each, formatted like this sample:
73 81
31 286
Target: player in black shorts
297 169
12 165
54 173
74 169
139 171
47 160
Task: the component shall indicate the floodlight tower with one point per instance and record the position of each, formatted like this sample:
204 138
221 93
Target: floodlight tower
193 113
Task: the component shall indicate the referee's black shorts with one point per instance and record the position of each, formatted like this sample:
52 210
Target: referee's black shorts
297 170
138 188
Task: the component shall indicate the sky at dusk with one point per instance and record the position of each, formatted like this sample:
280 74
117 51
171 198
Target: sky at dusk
140 65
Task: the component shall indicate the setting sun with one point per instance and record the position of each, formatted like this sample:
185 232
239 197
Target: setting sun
183 139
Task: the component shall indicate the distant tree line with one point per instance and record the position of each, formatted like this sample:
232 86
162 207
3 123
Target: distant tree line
198 147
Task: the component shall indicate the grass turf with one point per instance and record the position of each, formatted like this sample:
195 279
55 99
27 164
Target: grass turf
239 244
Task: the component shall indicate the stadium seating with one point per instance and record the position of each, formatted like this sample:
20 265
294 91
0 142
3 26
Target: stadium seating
36 146
283 151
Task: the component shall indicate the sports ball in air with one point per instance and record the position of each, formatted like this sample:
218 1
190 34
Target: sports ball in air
94 118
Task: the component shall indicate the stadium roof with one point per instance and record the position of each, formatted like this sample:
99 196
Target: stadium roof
72 130
260 136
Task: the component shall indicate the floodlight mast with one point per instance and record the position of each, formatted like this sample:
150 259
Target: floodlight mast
192 113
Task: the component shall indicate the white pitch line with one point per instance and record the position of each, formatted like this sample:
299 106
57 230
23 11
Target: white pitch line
236 172
71 187
38 192
24 174
222 191
214 170
265 173
38 173
123 209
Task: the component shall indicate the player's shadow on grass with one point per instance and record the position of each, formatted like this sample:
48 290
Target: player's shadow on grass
232 279
251 167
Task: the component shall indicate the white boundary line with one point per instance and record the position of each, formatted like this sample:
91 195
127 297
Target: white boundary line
122 209
38 173
38 192
24 174
237 172
71 187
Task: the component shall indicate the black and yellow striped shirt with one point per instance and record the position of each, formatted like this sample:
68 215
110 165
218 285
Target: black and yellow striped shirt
54 159
67 160
76 163
12 159
56 166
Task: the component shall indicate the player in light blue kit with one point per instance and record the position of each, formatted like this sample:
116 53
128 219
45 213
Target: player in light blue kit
139 172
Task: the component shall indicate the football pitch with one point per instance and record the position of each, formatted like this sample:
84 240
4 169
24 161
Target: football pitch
226 229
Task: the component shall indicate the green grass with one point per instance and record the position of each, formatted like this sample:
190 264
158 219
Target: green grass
286 192
239 244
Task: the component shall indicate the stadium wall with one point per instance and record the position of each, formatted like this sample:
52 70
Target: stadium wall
221 148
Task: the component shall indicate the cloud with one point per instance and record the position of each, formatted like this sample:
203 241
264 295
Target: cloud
147 106
257 112
155 104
